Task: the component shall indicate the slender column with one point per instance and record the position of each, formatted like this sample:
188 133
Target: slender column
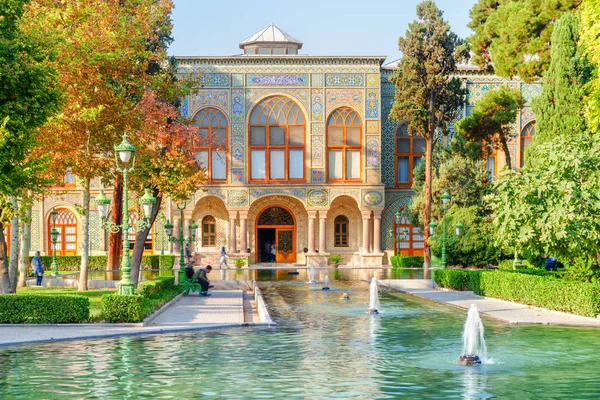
366 217
377 232
371 247
322 236
244 231
312 215
231 247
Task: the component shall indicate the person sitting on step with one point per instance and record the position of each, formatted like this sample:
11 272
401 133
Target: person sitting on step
201 276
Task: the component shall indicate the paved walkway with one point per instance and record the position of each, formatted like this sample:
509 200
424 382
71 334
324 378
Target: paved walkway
512 313
225 308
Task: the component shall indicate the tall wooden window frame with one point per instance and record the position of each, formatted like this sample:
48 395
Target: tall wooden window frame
211 138
344 118
272 113
341 227
148 243
412 239
68 235
209 231
527 134
416 150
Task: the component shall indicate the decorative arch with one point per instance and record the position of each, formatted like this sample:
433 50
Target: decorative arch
210 143
344 145
277 141
408 151
67 227
211 206
527 134
347 207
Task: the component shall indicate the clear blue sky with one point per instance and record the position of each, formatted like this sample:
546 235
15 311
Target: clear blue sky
326 27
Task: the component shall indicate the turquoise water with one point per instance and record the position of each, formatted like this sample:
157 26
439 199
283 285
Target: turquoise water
322 348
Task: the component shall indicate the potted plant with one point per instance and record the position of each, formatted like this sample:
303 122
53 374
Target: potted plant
335 259
239 262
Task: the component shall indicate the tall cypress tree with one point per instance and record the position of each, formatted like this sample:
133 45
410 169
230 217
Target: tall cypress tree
560 108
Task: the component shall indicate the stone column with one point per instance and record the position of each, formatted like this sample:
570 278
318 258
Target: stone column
244 231
231 247
366 217
377 231
312 215
322 236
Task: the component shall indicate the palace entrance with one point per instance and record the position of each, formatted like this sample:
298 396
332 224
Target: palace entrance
276 225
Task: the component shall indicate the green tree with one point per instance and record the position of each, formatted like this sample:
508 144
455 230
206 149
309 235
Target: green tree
589 39
28 96
426 94
492 119
560 108
511 37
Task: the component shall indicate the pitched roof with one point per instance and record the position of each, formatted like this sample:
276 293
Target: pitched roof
271 34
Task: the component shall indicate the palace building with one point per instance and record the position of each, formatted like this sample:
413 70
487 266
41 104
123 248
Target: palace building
312 162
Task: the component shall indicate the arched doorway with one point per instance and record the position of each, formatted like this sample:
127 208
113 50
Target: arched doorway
276 225
66 225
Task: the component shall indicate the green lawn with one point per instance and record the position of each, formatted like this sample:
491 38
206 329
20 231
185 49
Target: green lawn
94 295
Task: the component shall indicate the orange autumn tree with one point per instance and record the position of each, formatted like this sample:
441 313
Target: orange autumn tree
103 69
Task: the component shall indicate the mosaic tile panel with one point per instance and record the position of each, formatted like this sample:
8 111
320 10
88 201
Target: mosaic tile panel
372 127
318 148
317 198
387 88
353 98
35 232
237 139
274 67
95 230
316 79
530 91
300 95
209 97
318 176
372 110
344 80
373 156
372 198
237 155
298 193
373 80
184 109
237 176
214 80
393 203
237 129
237 105
277 80
317 105
388 130
316 129
237 198
526 116
478 90
237 80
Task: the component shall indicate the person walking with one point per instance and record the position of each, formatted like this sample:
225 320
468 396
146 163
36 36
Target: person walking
224 258
38 269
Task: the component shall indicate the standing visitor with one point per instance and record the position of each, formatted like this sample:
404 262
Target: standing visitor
224 258
38 269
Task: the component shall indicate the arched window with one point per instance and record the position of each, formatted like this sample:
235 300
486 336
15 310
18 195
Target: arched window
408 239
66 225
526 138
344 144
209 231
210 144
341 231
409 150
7 237
277 137
149 243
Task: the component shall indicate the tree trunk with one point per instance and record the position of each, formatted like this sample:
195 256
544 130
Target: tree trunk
25 247
140 240
13 267
85 237
427 200
115 241
506 154
4 280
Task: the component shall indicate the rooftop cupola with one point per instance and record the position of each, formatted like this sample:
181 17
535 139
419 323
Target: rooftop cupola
271 41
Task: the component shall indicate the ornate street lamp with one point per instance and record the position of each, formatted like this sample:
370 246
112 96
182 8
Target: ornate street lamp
125 152
181 240
445 199
54 238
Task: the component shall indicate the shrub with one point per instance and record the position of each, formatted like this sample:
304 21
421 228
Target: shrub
71 263
546 290
335 259
121 308
407 261
239 262
49 309
149 288
166 261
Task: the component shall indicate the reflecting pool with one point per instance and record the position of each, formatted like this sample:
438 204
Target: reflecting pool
323 347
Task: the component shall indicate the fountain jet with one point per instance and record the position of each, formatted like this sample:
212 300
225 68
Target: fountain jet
311 274
474 348
326 283
373 297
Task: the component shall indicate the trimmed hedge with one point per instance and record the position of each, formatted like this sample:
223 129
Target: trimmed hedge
98 263
546 291
149 294
48 309
407 261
